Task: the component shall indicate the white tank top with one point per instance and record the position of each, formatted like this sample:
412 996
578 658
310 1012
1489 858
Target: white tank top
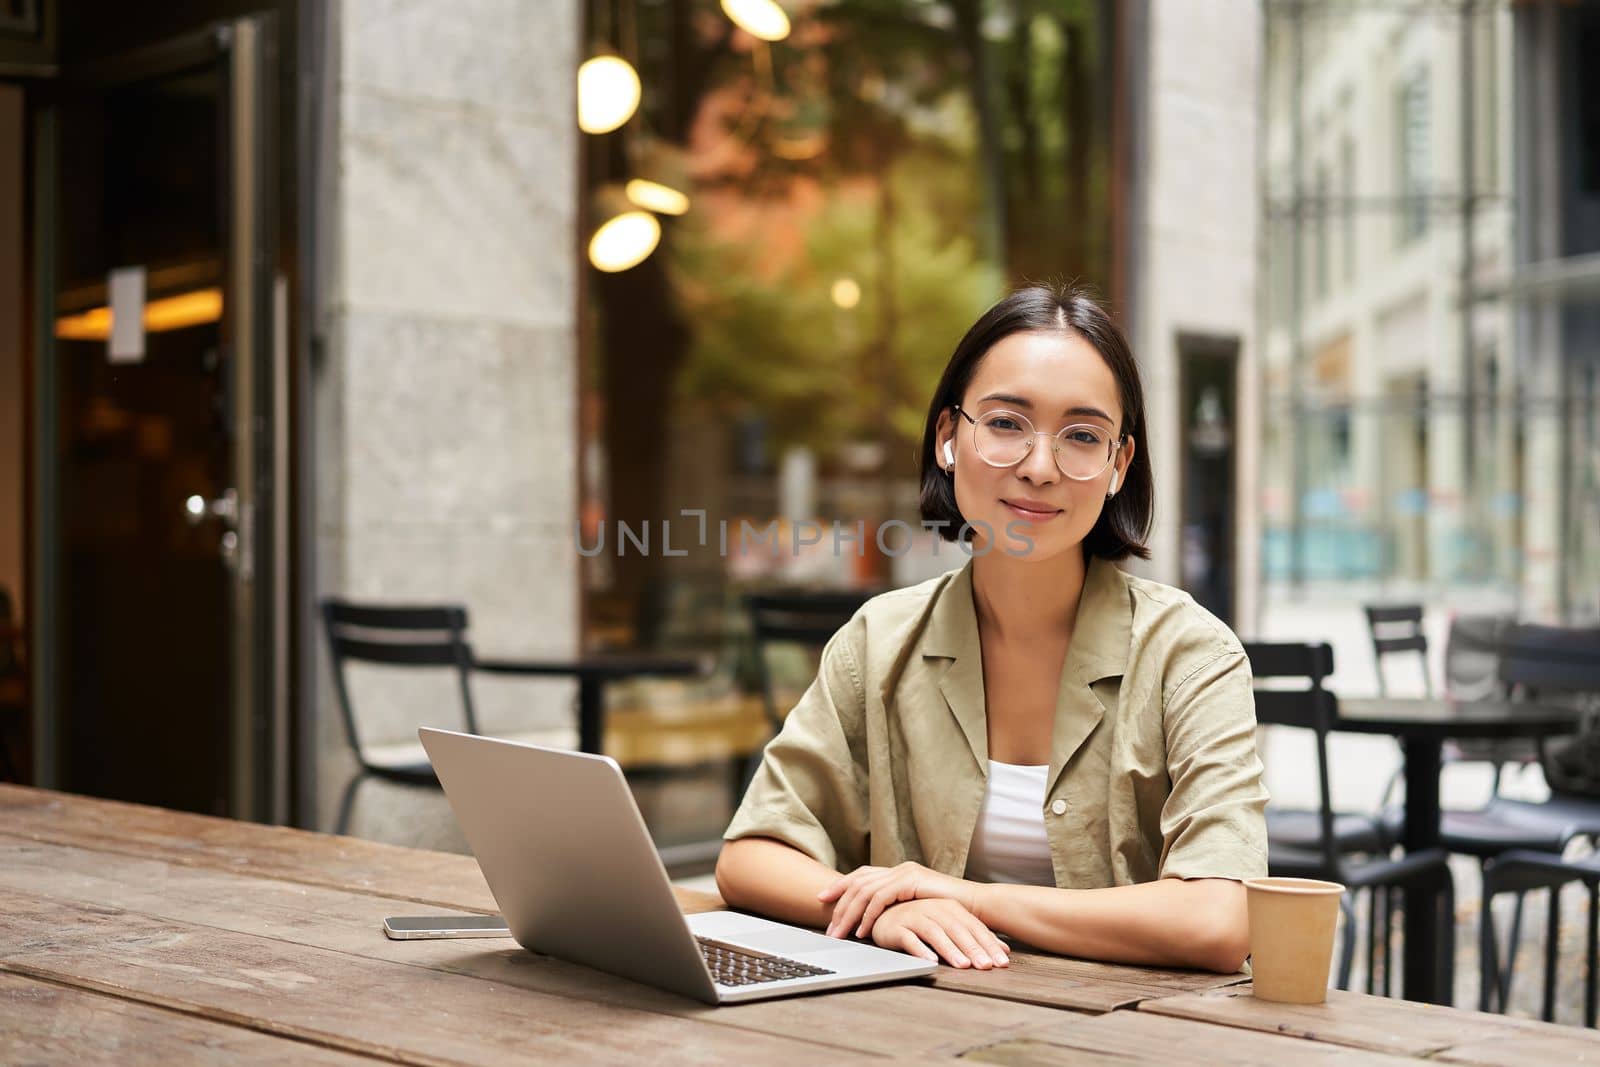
1009 844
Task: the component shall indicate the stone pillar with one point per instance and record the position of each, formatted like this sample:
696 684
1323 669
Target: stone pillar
446 422
1197 249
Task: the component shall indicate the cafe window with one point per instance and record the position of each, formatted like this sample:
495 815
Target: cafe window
840 204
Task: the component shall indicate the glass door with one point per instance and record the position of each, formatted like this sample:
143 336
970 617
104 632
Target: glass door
161 363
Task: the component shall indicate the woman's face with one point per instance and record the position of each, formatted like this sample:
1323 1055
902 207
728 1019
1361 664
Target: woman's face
1056 379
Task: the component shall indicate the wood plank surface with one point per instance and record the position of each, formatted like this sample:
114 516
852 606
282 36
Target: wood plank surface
42 1022
1525 1050
446 880
928 1022
1082 985
424 877
413 1015
1131 1037
1381 1024
161 937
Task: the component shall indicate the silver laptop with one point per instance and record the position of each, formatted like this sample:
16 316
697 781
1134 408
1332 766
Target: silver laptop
572 867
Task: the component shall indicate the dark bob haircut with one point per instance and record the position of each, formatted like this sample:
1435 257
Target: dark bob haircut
1124 524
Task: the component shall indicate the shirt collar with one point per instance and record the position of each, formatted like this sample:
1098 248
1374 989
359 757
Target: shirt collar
1099 638
1099 650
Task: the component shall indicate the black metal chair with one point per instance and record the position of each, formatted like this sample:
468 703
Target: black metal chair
1353 832
1520 872
411 637
1539 663
806 617
803 617
1397 629
1314 708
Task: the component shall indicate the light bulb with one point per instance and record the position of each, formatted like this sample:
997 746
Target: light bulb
653 196
608 94
846 293
759 18
624 241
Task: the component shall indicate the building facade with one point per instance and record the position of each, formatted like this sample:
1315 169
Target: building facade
1428 417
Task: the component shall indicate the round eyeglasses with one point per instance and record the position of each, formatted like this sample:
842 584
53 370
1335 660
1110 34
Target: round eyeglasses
1004 439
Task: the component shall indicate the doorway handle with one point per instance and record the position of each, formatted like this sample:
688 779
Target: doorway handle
229 548
197 508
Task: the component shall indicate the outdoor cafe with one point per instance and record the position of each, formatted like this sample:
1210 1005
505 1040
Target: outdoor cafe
1028 531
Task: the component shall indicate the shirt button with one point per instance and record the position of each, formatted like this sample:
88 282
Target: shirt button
1059 807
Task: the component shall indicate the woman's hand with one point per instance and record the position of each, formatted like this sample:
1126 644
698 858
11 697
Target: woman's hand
865 893
937 928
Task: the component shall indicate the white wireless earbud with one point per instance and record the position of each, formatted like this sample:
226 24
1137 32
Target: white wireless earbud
949 454
1113 490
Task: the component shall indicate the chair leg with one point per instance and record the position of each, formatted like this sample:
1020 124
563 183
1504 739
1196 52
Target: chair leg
1388 939
347 802
1347 947
1372 941
1447 937
1589 976
1513 942
1552 952
1488 950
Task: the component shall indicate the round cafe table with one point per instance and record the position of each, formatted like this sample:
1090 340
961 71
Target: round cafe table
1422 725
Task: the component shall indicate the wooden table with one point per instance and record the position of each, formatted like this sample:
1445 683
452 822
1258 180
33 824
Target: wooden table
135 935
1422 724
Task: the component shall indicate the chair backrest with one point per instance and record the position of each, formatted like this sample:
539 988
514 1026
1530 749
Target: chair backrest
1472 655
397 636
1397 628
1539 660
1310 707
798 616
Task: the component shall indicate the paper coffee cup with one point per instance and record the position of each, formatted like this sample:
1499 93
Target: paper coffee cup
1291 937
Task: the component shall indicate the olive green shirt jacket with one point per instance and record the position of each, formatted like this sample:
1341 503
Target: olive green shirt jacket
1153 767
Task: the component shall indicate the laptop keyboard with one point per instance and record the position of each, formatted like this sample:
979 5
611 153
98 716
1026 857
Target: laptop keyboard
734 965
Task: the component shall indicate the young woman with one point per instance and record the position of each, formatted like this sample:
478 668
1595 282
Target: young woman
1036 746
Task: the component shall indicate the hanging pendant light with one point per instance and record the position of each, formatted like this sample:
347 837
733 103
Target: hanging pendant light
654 196
624 241
608 93
846 293
759 18
663 177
